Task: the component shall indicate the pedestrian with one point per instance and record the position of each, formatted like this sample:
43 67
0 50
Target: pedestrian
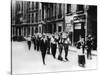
38 43
60 44
83 45
29 42
48 45
53 46
34 41
89 47
67 42
43 48
78 45
40 36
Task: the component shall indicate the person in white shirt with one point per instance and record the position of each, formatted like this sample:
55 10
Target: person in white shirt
53 47
66 46
60 45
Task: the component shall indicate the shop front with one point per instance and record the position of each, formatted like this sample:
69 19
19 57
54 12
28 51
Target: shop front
79 31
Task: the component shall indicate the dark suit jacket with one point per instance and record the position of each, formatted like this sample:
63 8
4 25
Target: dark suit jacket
43 45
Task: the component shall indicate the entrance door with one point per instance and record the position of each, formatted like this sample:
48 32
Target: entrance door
59 28
77 34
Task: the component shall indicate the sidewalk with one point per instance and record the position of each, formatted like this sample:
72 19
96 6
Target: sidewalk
74 49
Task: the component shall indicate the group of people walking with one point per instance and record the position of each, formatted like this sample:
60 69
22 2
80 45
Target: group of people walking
47 44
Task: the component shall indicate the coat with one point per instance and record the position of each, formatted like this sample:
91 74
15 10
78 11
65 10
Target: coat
43 45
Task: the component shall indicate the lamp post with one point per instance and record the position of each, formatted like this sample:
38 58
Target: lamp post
86 14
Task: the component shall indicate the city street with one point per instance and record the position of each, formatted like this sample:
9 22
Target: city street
25 61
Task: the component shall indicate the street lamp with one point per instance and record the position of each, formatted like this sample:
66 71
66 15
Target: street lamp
86 14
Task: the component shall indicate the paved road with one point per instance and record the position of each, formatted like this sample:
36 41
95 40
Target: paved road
25 61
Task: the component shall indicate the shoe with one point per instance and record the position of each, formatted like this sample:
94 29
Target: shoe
54 57
60 58
44 64
66 59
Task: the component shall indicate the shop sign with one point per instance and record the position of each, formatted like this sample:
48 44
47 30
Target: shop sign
69 28
78 26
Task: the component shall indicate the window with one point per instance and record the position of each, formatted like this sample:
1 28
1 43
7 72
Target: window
60 11
28 6
28 18
37 5
80 8
33 18
33 5
36 17
68 8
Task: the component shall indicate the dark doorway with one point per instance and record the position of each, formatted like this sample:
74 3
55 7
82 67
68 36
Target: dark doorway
59 28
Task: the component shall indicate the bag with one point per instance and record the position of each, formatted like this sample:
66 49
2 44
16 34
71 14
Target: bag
81 60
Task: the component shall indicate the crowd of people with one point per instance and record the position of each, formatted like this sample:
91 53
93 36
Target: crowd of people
47 44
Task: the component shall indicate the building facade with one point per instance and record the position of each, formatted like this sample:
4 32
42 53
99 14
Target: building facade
53 17
40 17
27 18
81 20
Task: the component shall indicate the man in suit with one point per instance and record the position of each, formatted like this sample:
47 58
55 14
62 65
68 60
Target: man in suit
43 47
48 45
34 41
